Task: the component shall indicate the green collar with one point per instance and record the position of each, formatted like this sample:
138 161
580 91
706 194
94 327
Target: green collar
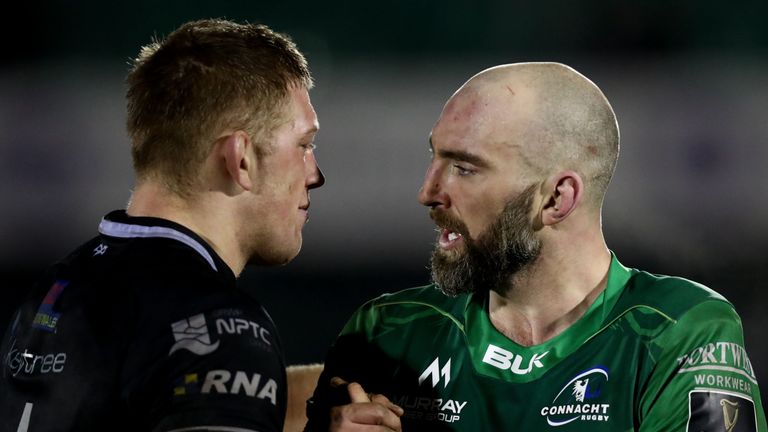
495 356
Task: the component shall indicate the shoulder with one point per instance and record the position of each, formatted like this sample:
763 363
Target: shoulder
408 306
651 305
668 296
145 283
427 298
694 346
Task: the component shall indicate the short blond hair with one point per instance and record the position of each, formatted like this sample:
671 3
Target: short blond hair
202 79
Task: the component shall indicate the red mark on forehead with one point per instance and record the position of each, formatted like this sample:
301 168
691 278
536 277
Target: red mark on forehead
510 90
464 105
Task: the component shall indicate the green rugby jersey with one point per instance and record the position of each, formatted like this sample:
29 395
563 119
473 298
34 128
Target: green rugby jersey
652 353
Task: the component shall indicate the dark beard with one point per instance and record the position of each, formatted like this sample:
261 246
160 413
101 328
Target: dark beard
506 247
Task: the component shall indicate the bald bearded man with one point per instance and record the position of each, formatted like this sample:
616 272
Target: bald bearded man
532 323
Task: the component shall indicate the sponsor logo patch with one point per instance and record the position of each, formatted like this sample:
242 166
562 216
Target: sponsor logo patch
434 372
710 411
222 381
242 326
27 363
580 400
192 335
506 360
717 358
46 317
430 408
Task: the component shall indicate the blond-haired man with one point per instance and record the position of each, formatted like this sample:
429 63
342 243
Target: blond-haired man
143 328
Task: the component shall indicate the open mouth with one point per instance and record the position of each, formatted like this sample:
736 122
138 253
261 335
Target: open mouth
449 239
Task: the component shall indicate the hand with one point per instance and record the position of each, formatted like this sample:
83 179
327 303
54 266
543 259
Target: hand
366 412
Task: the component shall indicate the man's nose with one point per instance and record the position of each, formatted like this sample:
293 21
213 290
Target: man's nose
431 193
316 177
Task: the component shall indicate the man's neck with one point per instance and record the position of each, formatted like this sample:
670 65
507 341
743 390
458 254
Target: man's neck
552 294
202 215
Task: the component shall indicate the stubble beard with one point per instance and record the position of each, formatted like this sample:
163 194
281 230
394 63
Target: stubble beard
507 247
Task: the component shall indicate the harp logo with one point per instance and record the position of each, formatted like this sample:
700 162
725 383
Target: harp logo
730 414
722 411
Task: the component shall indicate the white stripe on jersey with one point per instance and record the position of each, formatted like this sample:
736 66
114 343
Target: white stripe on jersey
121 230
212 428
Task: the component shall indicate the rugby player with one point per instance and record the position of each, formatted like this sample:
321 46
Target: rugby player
143 328
532 323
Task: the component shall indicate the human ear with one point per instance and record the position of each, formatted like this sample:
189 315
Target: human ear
236 149
566 190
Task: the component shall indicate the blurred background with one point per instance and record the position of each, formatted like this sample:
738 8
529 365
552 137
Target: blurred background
687 79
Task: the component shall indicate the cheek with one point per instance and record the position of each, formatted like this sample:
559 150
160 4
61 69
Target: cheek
288 182
294 177
479 213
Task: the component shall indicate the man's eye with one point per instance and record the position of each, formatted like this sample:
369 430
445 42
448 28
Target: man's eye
462 171
308 147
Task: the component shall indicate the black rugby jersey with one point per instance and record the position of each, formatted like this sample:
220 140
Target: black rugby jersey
143 329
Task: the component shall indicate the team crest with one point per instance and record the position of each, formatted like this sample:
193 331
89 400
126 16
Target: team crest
580 400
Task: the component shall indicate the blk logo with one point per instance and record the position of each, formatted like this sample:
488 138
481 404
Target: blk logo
506 360
435 372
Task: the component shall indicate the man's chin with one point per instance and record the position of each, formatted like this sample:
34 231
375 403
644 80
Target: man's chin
451 272
449 256
274 257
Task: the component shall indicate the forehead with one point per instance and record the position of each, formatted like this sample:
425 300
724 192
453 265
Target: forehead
482 122
303 117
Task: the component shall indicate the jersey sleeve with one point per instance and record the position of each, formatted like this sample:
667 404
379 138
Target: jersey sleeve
354 357
703 379
221 369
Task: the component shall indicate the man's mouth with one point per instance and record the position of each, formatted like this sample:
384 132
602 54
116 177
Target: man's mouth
304 210
449 239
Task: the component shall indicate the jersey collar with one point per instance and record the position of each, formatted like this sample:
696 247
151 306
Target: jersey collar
496 356
120 225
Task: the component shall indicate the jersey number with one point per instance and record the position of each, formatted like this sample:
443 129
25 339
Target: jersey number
24 422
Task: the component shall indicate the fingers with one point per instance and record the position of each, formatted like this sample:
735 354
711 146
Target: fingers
365 412
382 400
337 382
357 394
364 417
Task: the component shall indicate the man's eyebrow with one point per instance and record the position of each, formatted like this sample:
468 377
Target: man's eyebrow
463 156
311 131
460 155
